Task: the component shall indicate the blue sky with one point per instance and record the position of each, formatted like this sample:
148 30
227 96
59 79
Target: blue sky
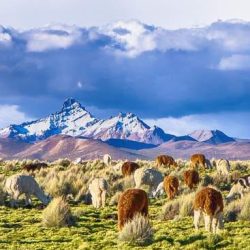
175 68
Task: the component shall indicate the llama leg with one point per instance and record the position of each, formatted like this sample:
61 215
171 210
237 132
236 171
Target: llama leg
215 223
14 200
197 215
98 200
121 219
137 183
94 201
241 194
28 200
220 221
208 222
103 198
150 192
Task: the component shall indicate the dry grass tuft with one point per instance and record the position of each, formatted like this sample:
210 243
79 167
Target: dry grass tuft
2 192
57 214
245 210
170 210
138 231
186 204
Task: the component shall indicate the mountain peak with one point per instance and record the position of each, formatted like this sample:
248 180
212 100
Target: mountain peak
70 103
211 136
128 115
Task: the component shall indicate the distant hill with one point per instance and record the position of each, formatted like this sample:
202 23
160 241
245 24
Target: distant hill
184 149
61 146
211 136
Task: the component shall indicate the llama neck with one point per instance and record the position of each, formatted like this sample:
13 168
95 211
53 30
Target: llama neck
41 196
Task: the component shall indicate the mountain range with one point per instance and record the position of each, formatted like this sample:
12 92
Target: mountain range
73 132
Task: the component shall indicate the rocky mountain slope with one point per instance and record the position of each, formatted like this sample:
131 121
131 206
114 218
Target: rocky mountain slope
211 136
75 120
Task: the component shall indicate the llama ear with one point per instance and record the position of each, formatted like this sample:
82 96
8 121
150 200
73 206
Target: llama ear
242 183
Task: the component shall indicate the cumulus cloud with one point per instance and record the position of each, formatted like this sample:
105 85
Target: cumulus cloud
11 114
132 37
235 62
129 66
52 37
230 36
5 37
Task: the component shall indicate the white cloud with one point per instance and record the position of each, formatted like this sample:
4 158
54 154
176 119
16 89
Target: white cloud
133 36
230 35
52 37
233 124
10 114
136 38
5 38
235 62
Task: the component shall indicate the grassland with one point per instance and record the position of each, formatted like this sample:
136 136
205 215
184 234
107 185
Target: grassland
97 229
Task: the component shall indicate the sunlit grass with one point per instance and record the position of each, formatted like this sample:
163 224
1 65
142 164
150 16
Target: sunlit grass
97 229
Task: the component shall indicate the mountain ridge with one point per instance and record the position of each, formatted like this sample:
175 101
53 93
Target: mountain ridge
74 120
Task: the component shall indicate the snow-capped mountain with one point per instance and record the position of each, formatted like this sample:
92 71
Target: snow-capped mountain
129 127
72 120
211 136
75 120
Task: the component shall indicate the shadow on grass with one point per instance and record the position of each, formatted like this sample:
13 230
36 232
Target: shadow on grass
43 241
164 238
21 204
11 225
191 239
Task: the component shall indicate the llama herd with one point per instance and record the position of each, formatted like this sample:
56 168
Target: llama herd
207 202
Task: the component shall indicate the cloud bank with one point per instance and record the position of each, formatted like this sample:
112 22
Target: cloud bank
231 123
11 114
128 66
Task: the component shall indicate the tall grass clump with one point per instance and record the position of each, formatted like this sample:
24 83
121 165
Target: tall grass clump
57 214
2 192
137 231
170 210
186 205
245 210
238 209
232 210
